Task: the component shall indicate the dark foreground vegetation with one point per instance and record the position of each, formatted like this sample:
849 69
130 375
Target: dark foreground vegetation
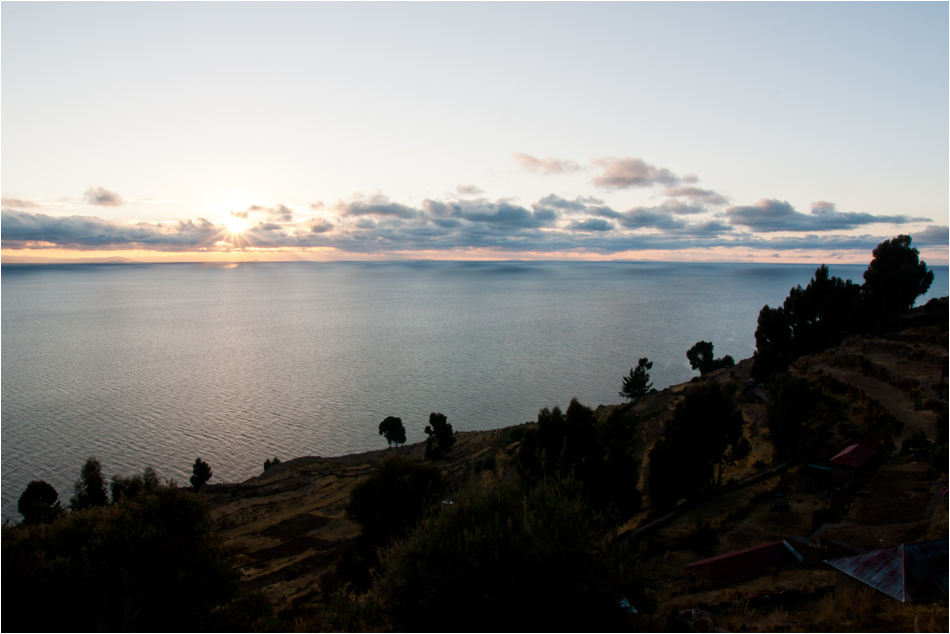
543 529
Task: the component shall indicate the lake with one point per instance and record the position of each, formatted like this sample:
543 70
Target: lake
158 364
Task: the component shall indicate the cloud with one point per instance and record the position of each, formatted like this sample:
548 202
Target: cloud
317 206
627 172
581 203
770 214
103 197
651 218
500 214
377 205
280 213
591 224
547 165
706 196
277 213
21 229
468 190
19 203
932 235
321 226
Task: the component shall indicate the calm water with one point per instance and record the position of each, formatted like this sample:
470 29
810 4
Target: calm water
157 364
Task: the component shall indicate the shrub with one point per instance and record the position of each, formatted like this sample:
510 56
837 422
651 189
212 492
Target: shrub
271 463
386 504
150 563
507 558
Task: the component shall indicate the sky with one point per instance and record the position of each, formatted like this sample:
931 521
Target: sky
778 132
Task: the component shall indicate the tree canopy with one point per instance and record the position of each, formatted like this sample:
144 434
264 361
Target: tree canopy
636 385
38 504
90 488
896 277
705 433
439 439
701 358
201 473
393 430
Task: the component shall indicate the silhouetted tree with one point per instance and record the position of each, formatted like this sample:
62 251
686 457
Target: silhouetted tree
90 488
130 488
201 473
792 401
638 383
439 439
809 320
701 358
568 445
271 463
895 278
704 434
38 504
392 429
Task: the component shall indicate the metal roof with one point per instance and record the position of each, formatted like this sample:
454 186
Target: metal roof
747 563
909 573
854 456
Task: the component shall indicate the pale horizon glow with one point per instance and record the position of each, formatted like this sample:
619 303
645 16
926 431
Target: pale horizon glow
212 132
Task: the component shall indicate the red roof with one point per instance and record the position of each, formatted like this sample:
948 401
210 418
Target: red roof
747 563
910 573
854 456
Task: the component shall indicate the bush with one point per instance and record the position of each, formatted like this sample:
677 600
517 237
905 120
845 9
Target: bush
151 563
386 504
271 463
504 558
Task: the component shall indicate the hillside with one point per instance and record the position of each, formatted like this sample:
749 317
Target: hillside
289 525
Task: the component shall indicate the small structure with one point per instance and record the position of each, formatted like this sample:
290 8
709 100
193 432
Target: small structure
909 573
850 460
740 565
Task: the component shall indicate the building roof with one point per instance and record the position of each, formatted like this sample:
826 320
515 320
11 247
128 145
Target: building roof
854 456
909 573
747 563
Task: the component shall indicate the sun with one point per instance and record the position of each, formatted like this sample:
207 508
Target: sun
236 225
